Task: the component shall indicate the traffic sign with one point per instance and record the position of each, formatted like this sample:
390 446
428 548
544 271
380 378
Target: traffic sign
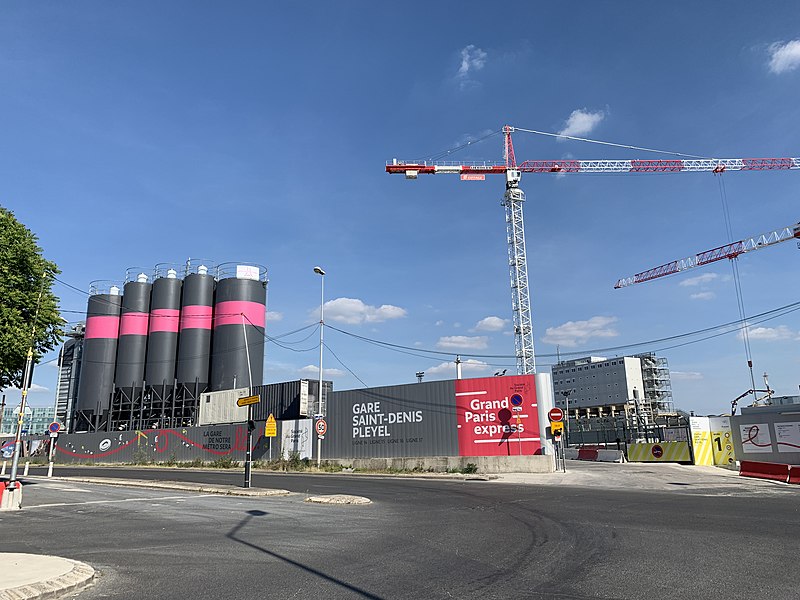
516 400
271 428
248 400
556 428
321 427
54 427
657 451
555 414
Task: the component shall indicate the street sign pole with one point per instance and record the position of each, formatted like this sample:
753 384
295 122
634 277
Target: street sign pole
248 458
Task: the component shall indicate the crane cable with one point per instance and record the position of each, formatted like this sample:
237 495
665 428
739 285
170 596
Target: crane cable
737 282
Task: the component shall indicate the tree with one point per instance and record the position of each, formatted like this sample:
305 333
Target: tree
24 275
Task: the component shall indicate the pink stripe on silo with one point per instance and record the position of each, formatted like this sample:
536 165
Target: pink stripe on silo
164 319
133 323
102 327
196 316
230 313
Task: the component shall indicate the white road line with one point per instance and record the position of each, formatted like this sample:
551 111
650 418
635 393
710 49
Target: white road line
117 501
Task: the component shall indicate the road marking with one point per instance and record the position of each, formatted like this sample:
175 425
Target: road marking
118 501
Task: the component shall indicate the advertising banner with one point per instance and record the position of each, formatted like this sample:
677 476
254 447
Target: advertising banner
756 438
721 440
497 416
296 438
787 435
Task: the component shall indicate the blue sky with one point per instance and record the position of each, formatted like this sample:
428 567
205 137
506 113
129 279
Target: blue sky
142 132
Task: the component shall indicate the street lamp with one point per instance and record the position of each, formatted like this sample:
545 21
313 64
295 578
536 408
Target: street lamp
318 270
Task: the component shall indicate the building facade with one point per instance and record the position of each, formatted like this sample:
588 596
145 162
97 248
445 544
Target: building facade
635 386
36 421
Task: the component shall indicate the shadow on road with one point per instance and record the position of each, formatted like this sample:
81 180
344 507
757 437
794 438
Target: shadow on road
260 513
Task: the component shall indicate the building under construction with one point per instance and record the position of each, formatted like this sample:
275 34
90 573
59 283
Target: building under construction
637 387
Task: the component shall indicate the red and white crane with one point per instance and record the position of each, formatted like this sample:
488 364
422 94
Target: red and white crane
729 251
514 198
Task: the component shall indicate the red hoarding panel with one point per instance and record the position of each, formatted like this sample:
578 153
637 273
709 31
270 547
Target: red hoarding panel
487 424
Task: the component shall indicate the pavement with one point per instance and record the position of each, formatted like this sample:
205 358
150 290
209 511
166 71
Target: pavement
29 576
25 576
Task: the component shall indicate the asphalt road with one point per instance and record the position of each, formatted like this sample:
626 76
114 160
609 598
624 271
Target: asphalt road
418 539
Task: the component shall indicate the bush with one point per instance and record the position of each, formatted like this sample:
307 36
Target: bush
223 462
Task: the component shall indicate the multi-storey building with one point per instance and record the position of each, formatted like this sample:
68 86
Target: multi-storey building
36 420
636 386
69 369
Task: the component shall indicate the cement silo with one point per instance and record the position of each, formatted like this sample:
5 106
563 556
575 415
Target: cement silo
162 340
239 320
133 325
194 344
99 357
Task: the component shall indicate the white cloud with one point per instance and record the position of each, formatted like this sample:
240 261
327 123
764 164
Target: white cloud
274 315
491 324
573 333
470 365
582 122
354 312
685 375
472 59
313 371
784 56
703 296
462 342
699 280
781 332
439 323
34 389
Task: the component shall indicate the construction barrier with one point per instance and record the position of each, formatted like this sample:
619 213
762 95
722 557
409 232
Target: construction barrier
595 454
660 452
712 441
764 470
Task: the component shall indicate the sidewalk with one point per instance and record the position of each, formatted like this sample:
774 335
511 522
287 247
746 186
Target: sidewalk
27 576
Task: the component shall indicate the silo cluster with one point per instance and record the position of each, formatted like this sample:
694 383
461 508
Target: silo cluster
170 336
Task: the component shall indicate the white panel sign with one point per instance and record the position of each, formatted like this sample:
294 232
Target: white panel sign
788 437
304 398
296 438
756 438
246 272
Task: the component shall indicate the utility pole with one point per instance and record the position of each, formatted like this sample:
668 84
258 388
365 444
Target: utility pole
26 377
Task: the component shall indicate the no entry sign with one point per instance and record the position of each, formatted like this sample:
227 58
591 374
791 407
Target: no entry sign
556 414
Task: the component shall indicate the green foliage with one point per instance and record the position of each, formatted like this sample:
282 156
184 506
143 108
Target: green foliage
223 462
470 468
24 274
142 457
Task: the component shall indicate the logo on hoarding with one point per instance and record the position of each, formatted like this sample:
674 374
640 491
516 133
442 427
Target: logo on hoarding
105 445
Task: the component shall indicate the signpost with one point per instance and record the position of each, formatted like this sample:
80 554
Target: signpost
53 428
270 431
320 427
248 400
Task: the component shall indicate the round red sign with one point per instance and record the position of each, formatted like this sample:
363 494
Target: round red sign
556 414
321 426
657 451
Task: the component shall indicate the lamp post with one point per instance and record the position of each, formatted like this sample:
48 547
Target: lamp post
318 270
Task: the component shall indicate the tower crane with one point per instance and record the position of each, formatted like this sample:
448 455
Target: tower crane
729 251
514 198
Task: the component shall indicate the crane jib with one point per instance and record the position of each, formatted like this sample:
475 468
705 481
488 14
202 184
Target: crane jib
712 165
